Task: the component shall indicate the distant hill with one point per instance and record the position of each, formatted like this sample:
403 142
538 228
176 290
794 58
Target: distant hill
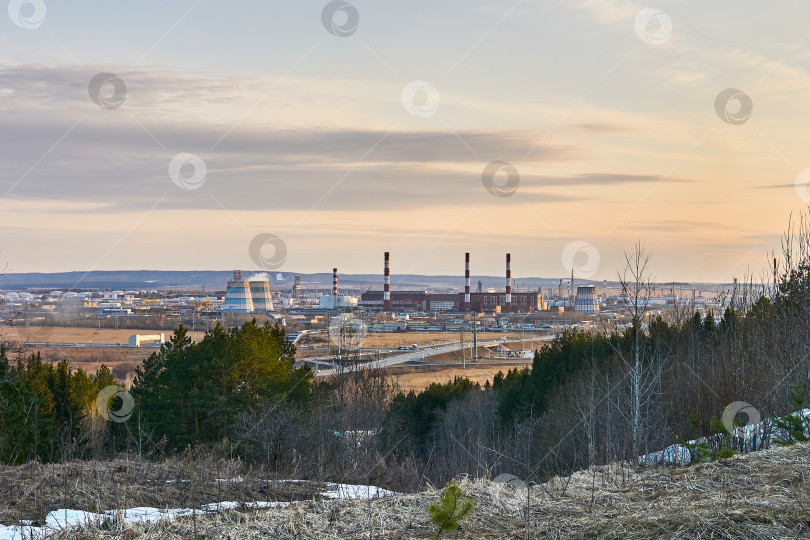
216 280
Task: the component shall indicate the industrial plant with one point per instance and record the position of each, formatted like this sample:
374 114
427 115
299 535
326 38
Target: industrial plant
247 296
481 301
310 304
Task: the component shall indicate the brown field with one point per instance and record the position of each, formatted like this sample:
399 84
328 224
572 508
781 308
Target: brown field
417 379
118 355
395 339
58 334
123 360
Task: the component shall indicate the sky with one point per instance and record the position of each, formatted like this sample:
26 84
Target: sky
301 136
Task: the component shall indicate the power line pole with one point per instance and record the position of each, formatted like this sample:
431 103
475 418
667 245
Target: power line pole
475 338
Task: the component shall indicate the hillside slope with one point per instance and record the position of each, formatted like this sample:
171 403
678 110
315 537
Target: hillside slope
763 495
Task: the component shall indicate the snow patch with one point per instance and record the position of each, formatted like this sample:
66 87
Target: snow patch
750 439
64 518
350 491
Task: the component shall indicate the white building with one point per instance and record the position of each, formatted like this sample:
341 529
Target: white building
336 302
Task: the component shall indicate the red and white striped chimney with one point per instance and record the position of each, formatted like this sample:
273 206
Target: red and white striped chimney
334 282
387 286
467 282
508 282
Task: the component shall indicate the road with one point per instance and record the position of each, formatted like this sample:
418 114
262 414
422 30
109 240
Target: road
426 352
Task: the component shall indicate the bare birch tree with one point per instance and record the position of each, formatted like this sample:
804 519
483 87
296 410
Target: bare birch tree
637 289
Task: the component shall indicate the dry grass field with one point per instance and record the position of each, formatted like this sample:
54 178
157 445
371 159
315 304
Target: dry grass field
58 334
760 496
384 340
124 358
420 378
118 355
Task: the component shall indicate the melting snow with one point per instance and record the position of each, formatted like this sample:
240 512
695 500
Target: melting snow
349 491
753 437
62 519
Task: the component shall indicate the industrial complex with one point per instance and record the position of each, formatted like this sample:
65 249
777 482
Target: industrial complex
385 306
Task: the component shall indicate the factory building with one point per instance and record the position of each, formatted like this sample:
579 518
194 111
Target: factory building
508 302
397 300
586 300
522 302
243 296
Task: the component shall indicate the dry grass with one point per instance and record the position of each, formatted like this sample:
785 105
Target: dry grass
31 491
383 340
419 379
58 334
89 358
760 496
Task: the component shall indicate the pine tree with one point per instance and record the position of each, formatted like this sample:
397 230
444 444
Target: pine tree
451 509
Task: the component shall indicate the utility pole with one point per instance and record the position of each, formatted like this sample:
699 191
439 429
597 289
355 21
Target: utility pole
475 337
463 352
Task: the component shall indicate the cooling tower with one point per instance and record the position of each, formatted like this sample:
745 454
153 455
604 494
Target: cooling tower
586 301
237 296
260 294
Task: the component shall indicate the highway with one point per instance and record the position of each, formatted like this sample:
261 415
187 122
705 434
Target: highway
421 354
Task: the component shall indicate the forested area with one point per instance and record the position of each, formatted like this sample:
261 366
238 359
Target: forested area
587 399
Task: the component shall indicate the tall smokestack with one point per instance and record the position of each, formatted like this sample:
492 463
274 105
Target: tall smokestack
334 282
508 282
387 286
467 282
